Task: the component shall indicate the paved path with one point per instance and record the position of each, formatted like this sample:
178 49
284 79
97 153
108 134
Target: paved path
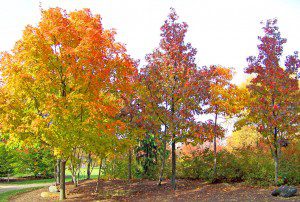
10 187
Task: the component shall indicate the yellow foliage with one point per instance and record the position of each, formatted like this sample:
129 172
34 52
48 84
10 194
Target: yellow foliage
247 136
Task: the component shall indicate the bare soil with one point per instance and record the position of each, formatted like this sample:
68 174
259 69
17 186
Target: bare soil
147 190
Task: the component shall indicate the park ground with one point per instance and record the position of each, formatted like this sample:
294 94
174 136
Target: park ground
147 190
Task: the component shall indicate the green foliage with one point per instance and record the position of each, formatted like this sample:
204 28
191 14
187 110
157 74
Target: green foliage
289 168
256 166
117 168
36 161
6 160
250 166
289 171
147 156
200 166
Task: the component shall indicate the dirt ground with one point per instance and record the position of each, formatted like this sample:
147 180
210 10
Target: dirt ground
147 190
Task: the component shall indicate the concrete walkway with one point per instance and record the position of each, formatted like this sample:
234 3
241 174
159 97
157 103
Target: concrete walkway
10 187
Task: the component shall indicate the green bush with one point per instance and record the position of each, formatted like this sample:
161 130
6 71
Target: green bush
289 169
254 167
35 161
6 161
201 167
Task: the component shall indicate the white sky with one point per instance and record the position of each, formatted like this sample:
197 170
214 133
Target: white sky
223 31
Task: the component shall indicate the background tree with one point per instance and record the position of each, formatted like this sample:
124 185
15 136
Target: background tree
246 138
224 99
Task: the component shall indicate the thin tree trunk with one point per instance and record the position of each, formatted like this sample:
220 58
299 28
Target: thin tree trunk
73 173
163 163
78 176
62 193
215 147
276 158
173 162
113 168
88 171
99 174
276 162
129 164
173 178
55 173
58 171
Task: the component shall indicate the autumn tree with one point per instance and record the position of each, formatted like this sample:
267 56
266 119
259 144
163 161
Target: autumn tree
168 79
133 116
62 80
224 100
274 103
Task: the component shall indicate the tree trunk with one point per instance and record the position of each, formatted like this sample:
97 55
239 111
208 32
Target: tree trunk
215 147
88 171
276 157
173 162
78 175
79 168
129 164
55 173
99 174
113 168
276 169
163 157
215 157
58 171
73 173
62 193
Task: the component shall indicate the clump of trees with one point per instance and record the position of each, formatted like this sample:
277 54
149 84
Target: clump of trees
71 89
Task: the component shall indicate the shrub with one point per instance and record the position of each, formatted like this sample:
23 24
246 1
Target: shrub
253 166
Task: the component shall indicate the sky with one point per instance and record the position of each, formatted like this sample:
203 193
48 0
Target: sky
223 32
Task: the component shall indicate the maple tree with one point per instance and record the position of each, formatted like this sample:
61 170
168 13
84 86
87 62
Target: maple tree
168 79
274 92
224 99
64 78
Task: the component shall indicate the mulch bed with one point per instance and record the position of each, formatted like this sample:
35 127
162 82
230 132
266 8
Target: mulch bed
147 190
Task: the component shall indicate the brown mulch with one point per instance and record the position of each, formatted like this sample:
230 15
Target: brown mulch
147 190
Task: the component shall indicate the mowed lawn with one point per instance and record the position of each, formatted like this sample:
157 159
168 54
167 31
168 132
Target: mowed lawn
83 176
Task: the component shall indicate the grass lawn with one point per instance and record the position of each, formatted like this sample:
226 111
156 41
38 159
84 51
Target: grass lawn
83 176
32 181
4 197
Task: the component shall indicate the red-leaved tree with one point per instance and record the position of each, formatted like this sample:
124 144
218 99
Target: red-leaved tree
274 103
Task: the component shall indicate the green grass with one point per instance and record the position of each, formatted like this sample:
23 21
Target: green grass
37 181
4 197
83 176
